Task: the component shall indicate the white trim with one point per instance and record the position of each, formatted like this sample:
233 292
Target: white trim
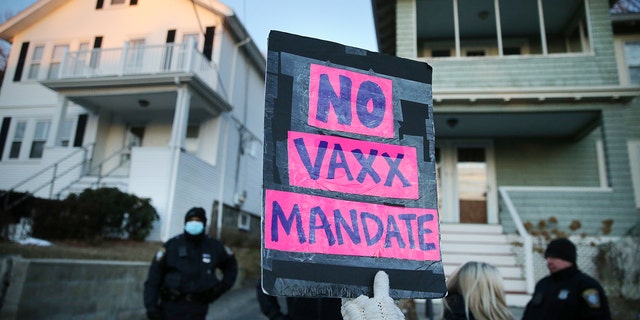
246 224
555 189
602 164
634 162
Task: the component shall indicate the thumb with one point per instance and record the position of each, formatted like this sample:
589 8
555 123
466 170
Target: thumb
381 285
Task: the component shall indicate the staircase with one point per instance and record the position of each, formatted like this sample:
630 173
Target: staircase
461 243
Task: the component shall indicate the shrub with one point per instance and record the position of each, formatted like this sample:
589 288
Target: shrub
93 215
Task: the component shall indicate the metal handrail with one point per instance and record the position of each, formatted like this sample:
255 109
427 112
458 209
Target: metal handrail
526 237
97 167
51 183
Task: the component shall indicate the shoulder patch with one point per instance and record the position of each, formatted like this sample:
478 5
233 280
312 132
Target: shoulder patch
228 250
592 297
160 254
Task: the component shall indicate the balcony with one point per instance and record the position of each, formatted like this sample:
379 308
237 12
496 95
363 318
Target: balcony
123 79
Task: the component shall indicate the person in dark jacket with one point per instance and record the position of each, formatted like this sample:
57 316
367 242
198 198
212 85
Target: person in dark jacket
566 293
182 279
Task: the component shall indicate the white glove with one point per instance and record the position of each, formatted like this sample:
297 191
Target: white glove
380 307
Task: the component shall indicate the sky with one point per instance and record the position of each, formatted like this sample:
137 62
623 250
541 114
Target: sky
349 22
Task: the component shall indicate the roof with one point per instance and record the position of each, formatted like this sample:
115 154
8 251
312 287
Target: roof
41 8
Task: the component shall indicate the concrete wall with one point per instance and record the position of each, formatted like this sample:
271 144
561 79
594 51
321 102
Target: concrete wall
71 289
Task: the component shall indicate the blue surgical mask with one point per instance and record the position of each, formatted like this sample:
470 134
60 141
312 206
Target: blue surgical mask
194 227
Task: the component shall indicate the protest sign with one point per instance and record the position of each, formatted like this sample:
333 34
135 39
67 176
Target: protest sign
349 172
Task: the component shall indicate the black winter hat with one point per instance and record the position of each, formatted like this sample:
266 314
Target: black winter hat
562 249
196 212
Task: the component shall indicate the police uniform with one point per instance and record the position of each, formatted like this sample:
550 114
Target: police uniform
182 277
567 294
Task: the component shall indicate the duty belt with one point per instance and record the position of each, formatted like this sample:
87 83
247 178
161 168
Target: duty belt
175 295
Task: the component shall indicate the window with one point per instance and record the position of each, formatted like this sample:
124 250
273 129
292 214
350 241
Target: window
632 56
36 60
191 141
135 54
56 60
634 160
65 132
116 2
39 139
18 137
502 27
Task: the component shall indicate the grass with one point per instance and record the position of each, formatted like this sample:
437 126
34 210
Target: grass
119 250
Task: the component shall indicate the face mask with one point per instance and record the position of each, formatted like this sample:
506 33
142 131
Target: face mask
194 227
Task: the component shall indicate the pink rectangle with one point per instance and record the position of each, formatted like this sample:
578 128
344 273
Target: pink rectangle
352 166
305 223
349 101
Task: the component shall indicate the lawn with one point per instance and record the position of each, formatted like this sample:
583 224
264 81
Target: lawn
123 250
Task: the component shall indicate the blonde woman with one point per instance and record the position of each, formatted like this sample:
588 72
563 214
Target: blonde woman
475 292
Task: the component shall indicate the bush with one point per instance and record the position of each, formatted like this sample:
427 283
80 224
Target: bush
93 215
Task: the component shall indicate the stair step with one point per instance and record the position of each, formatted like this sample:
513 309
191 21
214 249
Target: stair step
470 238
465 247
470 228
518 299
514 272
496 260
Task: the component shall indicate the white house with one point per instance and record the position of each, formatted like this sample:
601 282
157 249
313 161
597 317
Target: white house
161 98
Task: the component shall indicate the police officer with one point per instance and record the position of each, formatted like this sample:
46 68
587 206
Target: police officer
182 277
566 293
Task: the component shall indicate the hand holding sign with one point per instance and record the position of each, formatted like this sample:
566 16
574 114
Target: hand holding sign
380 307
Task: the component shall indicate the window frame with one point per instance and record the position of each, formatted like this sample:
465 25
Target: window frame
35 63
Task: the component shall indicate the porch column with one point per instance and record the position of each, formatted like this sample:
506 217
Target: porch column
53 139
180 119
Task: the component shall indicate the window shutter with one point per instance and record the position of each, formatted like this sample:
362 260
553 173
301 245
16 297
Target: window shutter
99 4
208 42
21 60
171 36
80 128
4 131
97 43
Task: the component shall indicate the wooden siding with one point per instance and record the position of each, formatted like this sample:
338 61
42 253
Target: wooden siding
547 162
586 69
587 206
406 44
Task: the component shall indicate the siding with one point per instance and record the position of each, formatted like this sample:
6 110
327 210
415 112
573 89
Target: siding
406 44
526 71
588 207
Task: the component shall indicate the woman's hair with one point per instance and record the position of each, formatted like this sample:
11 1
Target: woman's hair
480 285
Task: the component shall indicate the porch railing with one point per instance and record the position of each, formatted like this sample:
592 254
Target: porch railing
526 239
55 170
139 60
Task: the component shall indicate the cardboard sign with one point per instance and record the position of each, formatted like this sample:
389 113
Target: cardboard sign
349 173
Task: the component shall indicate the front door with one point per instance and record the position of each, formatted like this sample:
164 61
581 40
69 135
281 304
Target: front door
466 182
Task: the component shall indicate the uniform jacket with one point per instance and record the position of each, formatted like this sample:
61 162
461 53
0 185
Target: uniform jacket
568 294
187 264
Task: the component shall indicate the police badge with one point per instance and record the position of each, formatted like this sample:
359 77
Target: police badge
592 297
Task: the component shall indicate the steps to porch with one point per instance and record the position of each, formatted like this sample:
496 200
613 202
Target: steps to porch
461 243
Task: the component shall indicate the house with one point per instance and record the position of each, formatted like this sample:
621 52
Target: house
536 115
162 99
